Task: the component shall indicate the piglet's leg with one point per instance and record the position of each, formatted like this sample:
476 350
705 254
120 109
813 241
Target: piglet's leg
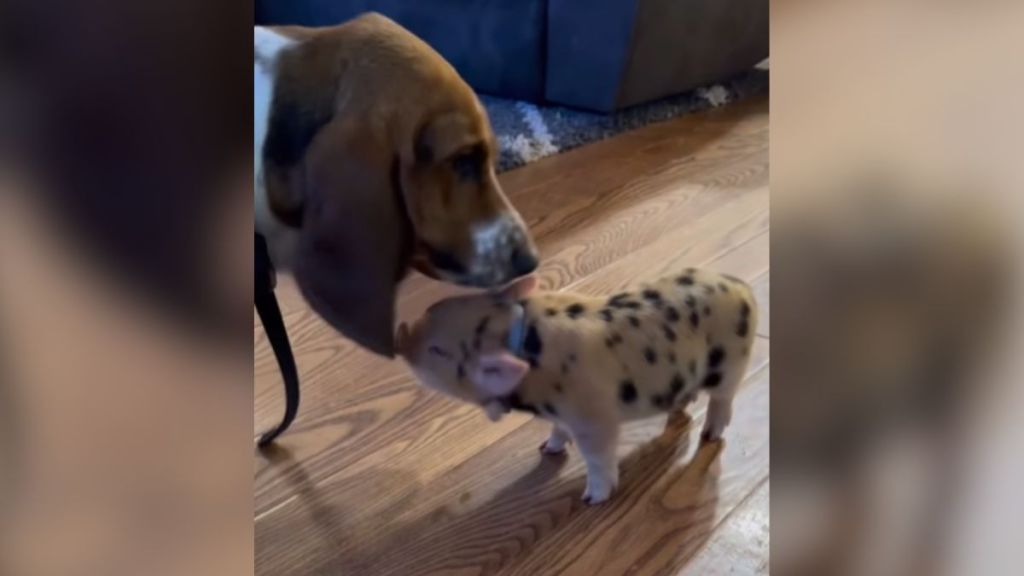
555 444
597 445
718 416
720 397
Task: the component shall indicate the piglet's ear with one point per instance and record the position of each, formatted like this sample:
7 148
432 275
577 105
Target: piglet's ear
521 288
499 373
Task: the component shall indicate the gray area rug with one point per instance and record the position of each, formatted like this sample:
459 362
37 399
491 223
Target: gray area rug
527 132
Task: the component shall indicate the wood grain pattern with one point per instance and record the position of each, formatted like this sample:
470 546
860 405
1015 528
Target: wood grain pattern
380 476
740 545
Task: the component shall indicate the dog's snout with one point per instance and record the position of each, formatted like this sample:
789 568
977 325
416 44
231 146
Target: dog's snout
524 261
501 252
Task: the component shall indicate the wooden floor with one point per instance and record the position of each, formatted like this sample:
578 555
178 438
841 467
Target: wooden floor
380 476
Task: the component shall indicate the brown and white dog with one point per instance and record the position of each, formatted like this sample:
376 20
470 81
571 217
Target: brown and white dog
588 363
373 155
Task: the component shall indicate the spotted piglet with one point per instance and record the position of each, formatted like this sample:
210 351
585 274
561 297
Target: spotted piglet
586 364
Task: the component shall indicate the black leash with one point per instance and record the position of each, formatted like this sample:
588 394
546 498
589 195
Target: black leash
273 326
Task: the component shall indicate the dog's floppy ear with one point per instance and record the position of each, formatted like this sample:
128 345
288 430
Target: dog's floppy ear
355 240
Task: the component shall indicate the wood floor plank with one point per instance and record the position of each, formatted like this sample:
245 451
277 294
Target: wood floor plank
738 547
380 476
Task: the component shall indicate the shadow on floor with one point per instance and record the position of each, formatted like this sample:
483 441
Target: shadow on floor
533 521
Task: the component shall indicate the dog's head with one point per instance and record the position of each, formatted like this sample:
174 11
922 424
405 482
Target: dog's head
381 157
467 231
459 346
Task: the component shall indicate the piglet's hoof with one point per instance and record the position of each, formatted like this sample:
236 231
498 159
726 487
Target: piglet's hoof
708 437
551 450
595 497
593 500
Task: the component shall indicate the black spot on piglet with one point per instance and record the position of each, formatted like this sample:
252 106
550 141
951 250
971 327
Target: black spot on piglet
677 384
627 391
575 311
671 314
515 402
713 379
623 301
650 355
482 326
743 329
617 300
715 357
533 345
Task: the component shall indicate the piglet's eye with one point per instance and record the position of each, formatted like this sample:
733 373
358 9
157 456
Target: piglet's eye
437 351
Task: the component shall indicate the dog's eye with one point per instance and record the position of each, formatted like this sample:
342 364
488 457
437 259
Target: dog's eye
438 351
469 165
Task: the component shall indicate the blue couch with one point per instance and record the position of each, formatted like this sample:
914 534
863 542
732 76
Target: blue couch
599 55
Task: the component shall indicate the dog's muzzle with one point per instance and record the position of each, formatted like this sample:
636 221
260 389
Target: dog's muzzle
502 252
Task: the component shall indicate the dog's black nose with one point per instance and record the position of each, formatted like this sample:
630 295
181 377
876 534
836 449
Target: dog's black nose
523 262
